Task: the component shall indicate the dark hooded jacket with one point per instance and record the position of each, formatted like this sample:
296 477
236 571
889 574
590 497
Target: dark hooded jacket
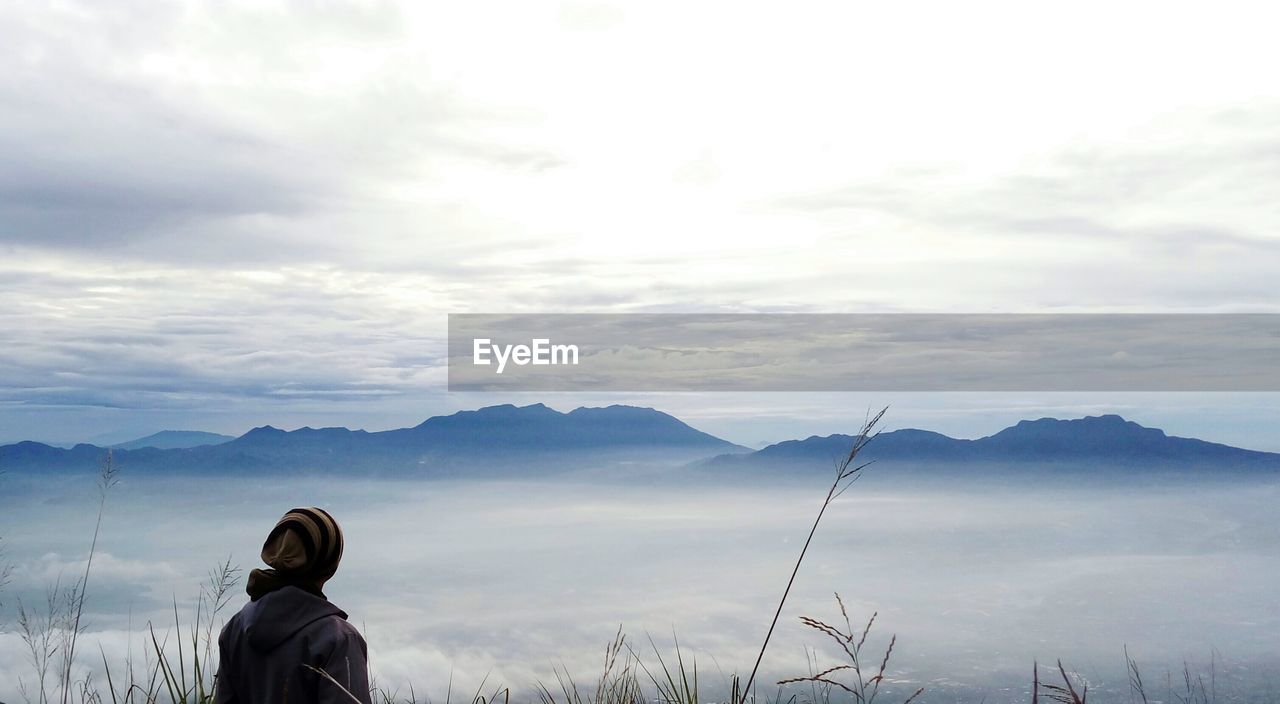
267 647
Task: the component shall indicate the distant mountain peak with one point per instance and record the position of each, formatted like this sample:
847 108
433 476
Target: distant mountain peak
1098 427
262 431
1105 420
618 409
1088 441
510 407
502 410
174 439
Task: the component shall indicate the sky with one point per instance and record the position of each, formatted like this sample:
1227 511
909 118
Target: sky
221 215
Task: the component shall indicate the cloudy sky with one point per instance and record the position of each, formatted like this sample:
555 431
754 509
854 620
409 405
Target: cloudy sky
216 215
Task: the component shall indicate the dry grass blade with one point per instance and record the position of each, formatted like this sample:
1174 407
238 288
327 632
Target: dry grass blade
329 677
865 631
864 689
1065 692
1075 698
1136 686
841 638
875 681
845 614
830 670
823 680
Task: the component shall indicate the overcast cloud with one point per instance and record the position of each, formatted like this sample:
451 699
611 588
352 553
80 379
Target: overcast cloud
221 214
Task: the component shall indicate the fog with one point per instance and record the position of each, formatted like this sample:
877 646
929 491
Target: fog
507 578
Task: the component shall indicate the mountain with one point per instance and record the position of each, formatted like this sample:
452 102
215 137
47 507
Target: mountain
174 439
494 440
1094 440
509 440
538 428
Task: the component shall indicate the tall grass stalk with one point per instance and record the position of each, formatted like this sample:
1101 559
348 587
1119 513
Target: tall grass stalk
674 687
107 479
195 680
848 470
6 572
39 630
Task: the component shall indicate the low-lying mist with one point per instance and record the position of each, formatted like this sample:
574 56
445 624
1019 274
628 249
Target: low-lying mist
506 578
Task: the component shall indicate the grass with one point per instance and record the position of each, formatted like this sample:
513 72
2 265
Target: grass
852 676
179 661
1066 693
848 471
52 633
6 573
618 683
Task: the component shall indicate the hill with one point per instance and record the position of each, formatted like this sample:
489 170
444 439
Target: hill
174 439
508 440
1107 440
494 440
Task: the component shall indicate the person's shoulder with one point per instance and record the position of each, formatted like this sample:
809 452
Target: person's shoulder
231 627
234 619
341 626
341 629
332 632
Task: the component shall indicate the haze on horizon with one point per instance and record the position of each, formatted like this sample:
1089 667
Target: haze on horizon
222 215
511 577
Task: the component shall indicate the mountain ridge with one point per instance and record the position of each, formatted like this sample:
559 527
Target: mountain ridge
532 436
173 439
507 439
1105 438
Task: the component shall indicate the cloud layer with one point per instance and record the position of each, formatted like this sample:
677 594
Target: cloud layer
209 207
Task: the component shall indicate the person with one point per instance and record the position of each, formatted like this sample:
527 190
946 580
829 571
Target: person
289 643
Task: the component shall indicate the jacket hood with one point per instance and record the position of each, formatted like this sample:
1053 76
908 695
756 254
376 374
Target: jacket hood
276 616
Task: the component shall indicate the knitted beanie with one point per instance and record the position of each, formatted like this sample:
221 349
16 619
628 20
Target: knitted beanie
305 544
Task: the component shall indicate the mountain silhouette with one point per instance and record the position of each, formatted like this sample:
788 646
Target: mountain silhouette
1103 440
509 440
498 439
174 439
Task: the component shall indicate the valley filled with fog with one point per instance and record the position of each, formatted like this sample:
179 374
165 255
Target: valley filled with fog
510 578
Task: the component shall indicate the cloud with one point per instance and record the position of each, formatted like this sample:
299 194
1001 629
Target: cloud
1173 213
54 567
972 578
221 132
283 336
98 155
223 205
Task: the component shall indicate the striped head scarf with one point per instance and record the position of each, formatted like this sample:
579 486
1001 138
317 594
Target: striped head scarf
303 550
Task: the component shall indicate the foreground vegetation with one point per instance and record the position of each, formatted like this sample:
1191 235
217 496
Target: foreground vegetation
179 660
